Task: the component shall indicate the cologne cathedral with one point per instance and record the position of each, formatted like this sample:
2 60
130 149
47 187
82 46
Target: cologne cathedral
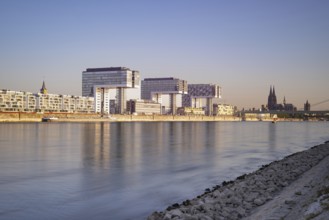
272 104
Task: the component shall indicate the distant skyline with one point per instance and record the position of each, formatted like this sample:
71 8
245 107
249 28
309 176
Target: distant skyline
244 46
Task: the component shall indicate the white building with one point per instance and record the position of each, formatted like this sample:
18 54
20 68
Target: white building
143 107
102 99
97 83
224 109
15 101
190 111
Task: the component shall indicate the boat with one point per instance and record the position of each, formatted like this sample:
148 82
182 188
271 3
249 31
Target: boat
49 119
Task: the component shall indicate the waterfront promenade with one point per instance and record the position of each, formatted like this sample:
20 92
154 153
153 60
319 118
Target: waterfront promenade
69 117
80 117
296 187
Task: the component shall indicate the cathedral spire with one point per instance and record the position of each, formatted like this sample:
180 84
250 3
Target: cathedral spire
43 89
272 102
274 97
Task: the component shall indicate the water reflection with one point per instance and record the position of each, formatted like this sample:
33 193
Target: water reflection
96 145
272 135
97 170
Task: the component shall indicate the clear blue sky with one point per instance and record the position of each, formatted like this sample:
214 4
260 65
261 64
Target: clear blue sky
244 46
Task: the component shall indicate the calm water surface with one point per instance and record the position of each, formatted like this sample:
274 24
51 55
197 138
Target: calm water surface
129 170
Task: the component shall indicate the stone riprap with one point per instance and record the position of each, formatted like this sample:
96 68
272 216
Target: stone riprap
237 199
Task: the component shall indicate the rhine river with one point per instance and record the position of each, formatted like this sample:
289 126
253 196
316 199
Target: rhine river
128 170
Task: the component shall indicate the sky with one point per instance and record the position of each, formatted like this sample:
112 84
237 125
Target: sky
244 46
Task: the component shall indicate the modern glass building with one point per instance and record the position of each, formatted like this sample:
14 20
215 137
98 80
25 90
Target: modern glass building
156 88
97 83
197 92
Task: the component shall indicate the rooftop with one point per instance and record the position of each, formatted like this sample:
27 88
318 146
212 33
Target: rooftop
106 69
157 79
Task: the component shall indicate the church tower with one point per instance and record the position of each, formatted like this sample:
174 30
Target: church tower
43 89
274 97
307 106
271 101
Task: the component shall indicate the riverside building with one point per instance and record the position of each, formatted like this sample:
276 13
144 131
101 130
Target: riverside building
190 111
18 101
159 89
98 82
144 107
199 92
224 109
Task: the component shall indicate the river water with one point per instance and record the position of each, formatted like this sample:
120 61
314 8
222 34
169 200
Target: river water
128 170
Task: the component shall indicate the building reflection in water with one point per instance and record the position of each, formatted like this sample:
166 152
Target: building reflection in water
97 170
126 149
96 145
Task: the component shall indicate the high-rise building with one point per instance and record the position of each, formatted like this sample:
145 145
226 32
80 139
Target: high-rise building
197 92
97 82
157 89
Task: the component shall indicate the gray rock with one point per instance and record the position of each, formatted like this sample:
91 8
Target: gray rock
259 201
176 212
251 196
236 199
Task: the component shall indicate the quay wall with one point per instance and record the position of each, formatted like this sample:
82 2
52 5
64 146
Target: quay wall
71 117
89 117
173 118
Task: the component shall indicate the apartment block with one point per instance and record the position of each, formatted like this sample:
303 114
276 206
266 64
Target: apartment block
16 101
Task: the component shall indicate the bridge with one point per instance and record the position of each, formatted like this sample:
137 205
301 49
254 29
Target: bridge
319 103
325 112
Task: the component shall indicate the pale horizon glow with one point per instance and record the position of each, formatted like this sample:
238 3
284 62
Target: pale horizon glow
244 46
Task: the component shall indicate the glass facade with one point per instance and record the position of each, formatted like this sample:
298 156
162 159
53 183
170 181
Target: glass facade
112 77
199 92
157 89
152 86
96 80
204 90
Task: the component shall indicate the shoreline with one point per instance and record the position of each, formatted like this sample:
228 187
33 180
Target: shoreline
77 117
296 187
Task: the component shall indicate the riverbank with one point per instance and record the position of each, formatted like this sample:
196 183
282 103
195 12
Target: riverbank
92 117
296 187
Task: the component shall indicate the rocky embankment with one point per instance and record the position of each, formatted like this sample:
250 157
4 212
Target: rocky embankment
296 187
